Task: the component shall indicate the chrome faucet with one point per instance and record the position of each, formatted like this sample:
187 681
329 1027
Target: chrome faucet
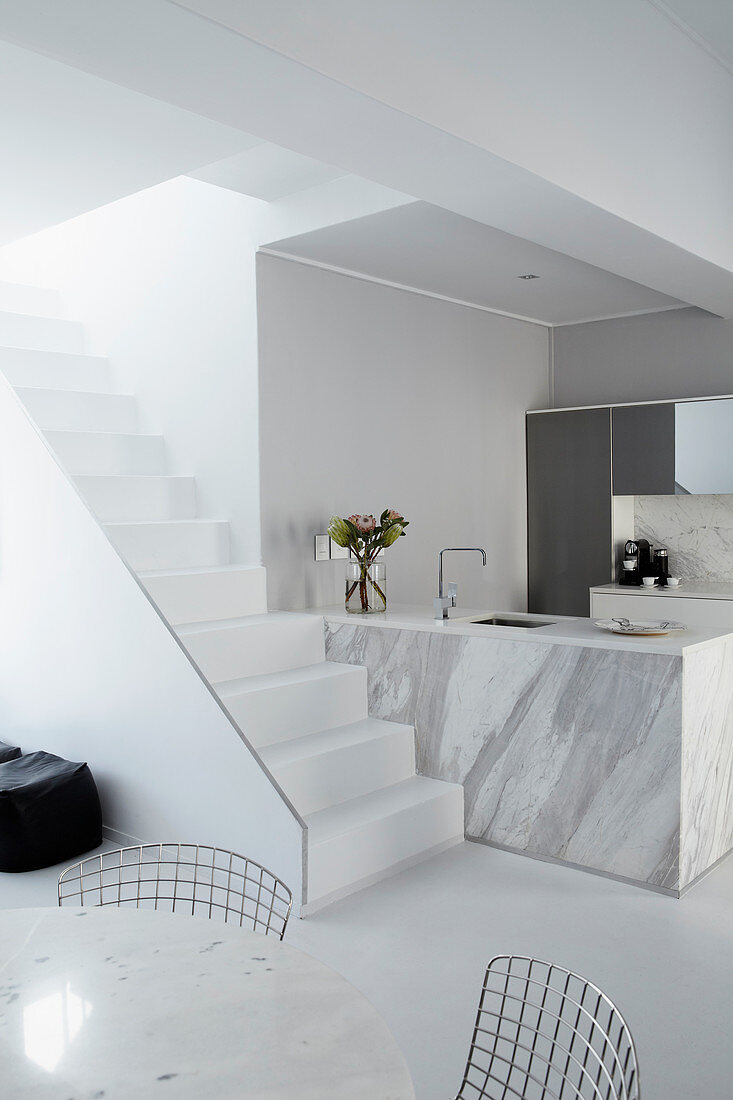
444 599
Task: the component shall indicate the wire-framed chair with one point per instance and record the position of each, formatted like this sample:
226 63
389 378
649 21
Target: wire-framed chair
544 1033
191 878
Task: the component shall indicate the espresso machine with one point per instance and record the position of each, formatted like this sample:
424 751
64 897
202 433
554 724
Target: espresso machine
636 563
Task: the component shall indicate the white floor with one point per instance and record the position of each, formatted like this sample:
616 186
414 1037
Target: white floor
417 945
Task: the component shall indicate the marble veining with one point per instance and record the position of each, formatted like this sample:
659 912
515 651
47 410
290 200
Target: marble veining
707 760
697 531
108 1004
563 751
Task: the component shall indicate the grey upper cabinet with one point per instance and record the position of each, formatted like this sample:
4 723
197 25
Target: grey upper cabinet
643 450
569 503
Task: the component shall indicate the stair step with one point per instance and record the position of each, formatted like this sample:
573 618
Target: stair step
56 370
333 766
23 330
255 644
129 497
171 543
19 298
358 841
279 706
77 410
109 452
206 594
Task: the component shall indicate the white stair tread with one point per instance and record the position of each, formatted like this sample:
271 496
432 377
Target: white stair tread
84 452
32 330
135 498
252 645
160 543
79 410
194 571
348 816
324 670
187 629
87 434
54 369
60 357
145 479
73 391
39 301
196 593
165 524
340 737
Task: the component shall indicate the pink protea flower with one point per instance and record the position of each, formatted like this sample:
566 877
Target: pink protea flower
392 515
364 524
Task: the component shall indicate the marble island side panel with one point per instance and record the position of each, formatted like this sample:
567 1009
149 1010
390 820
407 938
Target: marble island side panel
707 759
564 751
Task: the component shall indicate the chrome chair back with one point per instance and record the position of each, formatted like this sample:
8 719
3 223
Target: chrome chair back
544 1033
190 878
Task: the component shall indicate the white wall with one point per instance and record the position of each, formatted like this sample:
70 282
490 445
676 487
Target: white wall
89 671
681 353
372 397
164 281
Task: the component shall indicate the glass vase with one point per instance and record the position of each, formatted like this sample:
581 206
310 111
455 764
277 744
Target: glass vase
366 587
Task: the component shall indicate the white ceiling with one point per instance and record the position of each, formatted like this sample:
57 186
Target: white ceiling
267 172
608 144
427 248
70 142
708 21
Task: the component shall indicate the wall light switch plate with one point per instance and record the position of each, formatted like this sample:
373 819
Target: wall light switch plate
339 551
320 547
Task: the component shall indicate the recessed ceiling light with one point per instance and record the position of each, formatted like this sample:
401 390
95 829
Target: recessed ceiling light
528 276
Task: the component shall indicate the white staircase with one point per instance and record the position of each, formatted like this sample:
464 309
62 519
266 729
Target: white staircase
351 777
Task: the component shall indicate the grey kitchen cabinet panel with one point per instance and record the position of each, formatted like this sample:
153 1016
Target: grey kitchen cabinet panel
569 508
643 450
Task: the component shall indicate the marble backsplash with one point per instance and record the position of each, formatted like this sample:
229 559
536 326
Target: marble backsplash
697 531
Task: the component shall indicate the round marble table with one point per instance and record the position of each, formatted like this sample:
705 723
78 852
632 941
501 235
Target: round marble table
110 1004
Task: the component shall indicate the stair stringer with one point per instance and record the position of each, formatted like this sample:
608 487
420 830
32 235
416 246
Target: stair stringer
67 718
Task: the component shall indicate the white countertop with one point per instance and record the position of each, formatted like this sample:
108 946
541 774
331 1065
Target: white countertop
560 630
131 1004
698 590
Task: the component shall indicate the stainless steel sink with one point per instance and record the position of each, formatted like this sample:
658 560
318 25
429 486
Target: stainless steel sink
498 620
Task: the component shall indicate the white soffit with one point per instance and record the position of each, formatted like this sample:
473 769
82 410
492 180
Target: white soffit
425 248
267 172
71 142
166 51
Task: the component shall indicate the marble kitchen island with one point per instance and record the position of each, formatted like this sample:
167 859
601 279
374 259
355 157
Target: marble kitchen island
610 753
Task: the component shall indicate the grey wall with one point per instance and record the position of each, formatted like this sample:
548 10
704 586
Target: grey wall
373 397
678 353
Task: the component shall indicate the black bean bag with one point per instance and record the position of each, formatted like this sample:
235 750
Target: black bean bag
49 811
8 752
